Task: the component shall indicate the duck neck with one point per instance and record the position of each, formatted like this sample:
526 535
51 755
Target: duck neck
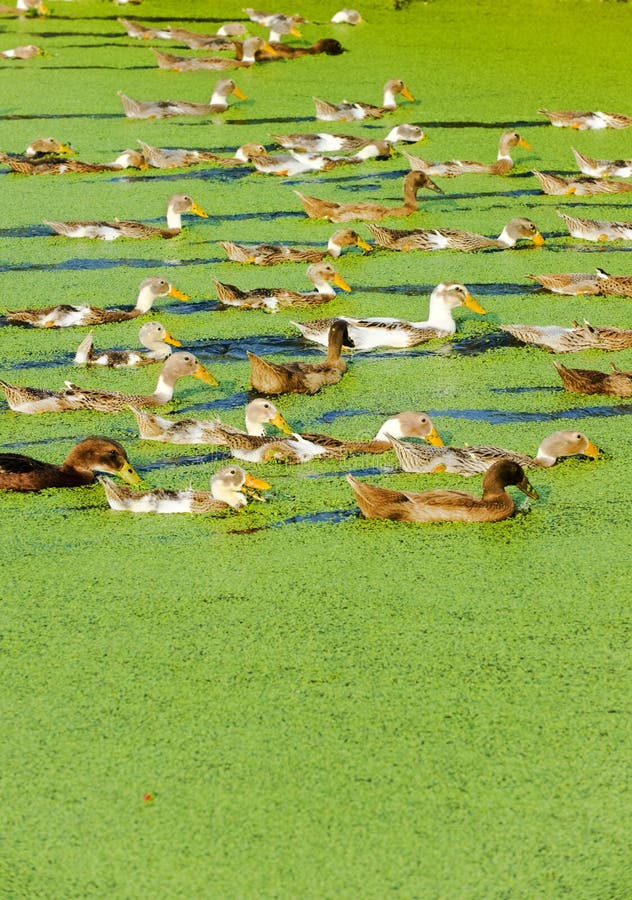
144 300
274 37
505 239
248 58
544 458
322 286
410 192
504 151
389 101
174 219
253 427
77 472
218 99
440 314
158 350
164 390
228 495
334 347
392 427
333 247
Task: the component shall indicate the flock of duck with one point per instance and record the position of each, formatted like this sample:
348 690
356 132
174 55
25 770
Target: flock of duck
232 486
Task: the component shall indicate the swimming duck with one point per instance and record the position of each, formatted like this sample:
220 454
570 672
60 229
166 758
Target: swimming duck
346 17
110 231
227 491
454 239
282 163
64 315
583 121
51 165
168 158
346 212
93 454
36 400
590 381
474 460
504 163
580 186
271 254
144 32
161 109
266 19
152 335
369 333
27 51
446 506
189 64
349 110
276 50
196 41
596 230
323 142
47 147
598 168
405 424
322 276
32 7
300 377
570 340
572 284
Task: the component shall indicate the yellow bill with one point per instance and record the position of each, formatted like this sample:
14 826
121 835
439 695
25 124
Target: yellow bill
239 94
279 422
295 32
340 282
592 450
198 211
362 244
205 376
168 339
406 93
434 439
128 474
524 144
538 240
174 292
269 48
474 305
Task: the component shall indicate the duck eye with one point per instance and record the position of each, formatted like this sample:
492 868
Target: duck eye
533 228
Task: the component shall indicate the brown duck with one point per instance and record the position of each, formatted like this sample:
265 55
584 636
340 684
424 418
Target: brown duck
446 506
300 377
94 454
367 211
591 381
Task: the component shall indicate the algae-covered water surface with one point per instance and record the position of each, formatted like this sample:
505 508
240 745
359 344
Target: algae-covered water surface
294 701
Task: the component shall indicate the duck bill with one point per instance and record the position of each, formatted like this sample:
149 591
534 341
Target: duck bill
239 94
592 450
527 488
42 9
538 240
434 439
363 245
256 483
198 211
474 305
269 49
128 474
340 282
406 93
295 32
174 292
169 339
205 376
65 149
432 186
526 146
279 422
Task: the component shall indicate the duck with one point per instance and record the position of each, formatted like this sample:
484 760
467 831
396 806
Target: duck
617 383
47 146
422 458
189 64
271 254
50 165
300 377
110 231
503 164
323 142
152 335
64 315
584 121
367 211
446 506
454 239
404 424
161 109
37 400
283 163
92 454
322 275
276 50
572 283
281 25
598 168
596 230
349 110
227 492
32 7
347 17
27 51
144 32
196 41
570 340
173 158
266 19
367 334
583 186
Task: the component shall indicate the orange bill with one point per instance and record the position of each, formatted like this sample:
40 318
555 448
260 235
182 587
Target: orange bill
269 48
524 144
362 244
256 483
538 240
279 422
474 305
168 339
204 375
592 450
406 93
340 282
128 474
434 439
239 94
198 211
174 292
